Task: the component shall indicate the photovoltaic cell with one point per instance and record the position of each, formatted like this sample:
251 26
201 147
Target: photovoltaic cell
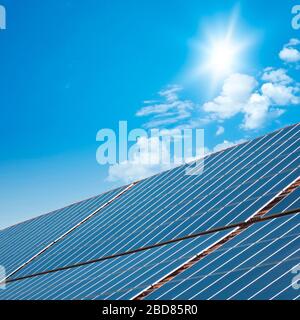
117 278
21 242
257 264
235 184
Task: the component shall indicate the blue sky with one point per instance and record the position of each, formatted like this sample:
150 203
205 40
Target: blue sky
70 68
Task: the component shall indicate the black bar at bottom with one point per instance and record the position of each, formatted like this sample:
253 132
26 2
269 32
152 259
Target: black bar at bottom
136 309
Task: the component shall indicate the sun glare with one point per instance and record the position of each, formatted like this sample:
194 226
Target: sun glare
220 51
222 57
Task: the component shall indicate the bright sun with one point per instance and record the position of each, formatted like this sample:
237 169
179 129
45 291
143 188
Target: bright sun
222 57
221 51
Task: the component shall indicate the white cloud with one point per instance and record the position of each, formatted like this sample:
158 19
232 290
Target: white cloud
242 95
128 172
256 112
160 123
171 93
227 144
276 76
280 95
289 53
293 42
220 131
169 111
144 162
235 93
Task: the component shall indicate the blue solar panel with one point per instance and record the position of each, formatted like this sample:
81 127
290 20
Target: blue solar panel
116 278
235 184
21 242
291 202
257 264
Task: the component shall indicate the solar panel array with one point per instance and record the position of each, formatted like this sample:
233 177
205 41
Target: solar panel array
126 246
257 264
21 242
116 278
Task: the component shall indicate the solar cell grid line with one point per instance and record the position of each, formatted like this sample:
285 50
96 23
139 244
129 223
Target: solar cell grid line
123 199
44 290
269 269
75 211
34 219
150 194
221 258
37 219
210 201
27 238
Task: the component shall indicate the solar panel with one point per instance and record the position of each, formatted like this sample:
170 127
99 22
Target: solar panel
21 242
117 245
235 185
257 264
115 278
